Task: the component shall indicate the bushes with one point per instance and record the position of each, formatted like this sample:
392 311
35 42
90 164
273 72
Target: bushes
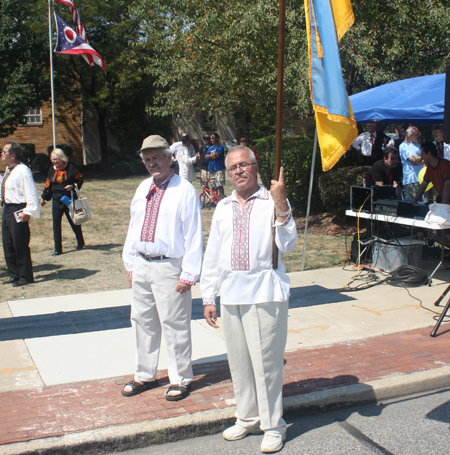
41 163
28 153
335 184
296 160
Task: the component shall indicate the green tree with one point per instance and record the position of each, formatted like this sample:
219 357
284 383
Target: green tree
23 57
222 55
393 40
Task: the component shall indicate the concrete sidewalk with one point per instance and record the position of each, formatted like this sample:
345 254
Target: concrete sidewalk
63 363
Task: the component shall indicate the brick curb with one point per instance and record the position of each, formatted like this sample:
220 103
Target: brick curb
138 435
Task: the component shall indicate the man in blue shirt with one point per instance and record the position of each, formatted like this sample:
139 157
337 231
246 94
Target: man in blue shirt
216 158
412 163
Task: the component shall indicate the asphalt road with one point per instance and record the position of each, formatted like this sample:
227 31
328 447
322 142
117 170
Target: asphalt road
410 426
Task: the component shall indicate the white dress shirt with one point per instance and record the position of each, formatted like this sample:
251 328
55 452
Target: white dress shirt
238 258
176 146
20 188
362 142
175 227
186 163
446 150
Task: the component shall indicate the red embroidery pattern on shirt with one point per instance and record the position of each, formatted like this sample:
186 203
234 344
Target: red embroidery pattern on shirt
240 254
152 210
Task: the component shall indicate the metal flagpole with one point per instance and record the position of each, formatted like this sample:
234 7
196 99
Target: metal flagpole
51 70
281 34
311 180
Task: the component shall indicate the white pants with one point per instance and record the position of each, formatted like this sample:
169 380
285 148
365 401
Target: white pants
255 336
157 305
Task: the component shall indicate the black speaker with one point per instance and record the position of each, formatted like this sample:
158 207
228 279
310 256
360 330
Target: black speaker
447 107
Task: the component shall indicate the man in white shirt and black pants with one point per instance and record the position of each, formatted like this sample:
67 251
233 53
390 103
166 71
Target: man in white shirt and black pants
20 201
254 296
162 255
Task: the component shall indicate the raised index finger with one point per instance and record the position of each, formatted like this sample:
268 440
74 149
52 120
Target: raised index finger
281 177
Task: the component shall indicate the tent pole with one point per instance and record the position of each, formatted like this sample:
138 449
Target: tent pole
311 180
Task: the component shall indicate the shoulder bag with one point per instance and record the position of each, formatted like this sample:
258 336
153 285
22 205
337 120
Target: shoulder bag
80 212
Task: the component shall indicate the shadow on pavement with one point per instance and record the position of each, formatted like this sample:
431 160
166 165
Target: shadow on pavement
67 274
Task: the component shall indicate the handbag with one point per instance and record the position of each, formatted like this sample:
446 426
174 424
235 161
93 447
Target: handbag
79 210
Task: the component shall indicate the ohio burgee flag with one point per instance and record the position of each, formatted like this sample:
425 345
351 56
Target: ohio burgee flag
70 43
326 23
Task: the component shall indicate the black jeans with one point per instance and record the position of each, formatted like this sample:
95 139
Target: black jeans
58 210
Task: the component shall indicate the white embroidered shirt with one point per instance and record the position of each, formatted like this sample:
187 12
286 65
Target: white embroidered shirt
20 188
238 257
166 222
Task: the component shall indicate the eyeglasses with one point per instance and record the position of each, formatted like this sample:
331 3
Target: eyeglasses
242 166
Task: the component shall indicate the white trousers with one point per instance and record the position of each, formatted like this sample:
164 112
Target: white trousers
255 336
155 306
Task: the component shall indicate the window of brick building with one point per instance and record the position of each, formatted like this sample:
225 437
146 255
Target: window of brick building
33 117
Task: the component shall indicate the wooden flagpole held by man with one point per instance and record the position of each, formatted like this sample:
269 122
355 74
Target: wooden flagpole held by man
281 34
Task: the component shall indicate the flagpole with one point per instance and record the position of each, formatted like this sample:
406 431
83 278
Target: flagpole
51 70
281 34
311 180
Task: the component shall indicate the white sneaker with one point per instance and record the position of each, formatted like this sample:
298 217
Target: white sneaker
238 432
272 442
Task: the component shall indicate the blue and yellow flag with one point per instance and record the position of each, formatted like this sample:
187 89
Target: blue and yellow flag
326 23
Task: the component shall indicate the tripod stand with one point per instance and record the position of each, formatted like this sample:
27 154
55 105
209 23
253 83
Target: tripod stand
444 311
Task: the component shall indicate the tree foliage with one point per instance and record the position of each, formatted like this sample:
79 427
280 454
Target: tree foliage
222 55
393 40
23 57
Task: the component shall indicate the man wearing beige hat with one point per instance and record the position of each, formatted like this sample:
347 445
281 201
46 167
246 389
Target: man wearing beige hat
162 255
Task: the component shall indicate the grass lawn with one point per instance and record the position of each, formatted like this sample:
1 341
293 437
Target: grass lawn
99 266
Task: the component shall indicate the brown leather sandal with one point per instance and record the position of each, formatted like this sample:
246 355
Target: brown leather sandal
184 392
139 387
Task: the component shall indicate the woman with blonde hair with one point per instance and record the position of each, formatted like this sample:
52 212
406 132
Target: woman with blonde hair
62 176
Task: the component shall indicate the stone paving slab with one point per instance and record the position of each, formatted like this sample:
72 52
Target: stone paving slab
79 407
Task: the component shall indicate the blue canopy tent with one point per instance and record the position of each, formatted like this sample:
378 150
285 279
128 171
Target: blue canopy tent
415 100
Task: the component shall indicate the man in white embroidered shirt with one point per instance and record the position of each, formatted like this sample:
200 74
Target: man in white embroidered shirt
253 295
20 200
162 255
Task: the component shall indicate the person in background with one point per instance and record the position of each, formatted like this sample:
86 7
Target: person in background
371 144
176 146
60 182
443 149
411 160
399 137
388 171
204 175
185 160
216 158
438 173
20 202
245 142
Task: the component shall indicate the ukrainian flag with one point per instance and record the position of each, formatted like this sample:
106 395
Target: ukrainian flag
326 23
